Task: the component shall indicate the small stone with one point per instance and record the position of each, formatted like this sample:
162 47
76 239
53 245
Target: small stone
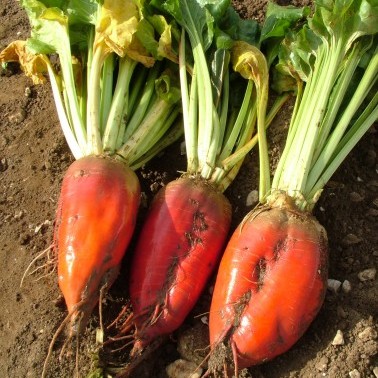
375 371
3 165
17 117
41 225
183 369
3 141
205 320
333 285
372 212
346 287
354 374
375 202
252 198
373 184
27 91
367 274
334 184
154 187
322 364
38 228
369 333
355 197
351 239
18 214
339 338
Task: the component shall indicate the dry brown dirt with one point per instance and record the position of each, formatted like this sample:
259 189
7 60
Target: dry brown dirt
33 158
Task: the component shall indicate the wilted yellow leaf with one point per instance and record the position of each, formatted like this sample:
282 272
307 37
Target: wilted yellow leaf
116 29
117 24
33 65
250 62
165 45
137 52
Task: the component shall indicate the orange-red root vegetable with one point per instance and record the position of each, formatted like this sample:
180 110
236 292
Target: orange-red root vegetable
95 220
177 250
270 285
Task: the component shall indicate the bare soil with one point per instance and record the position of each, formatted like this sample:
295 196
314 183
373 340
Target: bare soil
33 159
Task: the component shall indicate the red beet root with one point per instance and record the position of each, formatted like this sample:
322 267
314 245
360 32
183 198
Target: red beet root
177 250
95 220
270 285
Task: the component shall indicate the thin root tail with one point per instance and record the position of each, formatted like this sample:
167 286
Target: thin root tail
50 261
62 326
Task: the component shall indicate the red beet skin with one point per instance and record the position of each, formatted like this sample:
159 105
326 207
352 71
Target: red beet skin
270 285
95 220
177 250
